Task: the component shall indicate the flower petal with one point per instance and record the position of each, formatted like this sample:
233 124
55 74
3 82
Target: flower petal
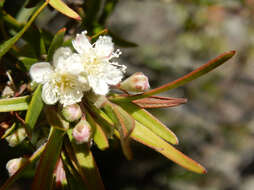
81 43
60 55
75 62
104 46
49 93
70 96
112 75
40 72
98 85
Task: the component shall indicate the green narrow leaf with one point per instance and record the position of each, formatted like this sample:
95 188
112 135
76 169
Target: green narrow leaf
148 138
14 104
56 43
124 123
6 46
64 9
86 164
149 121
99 136
34 109
181 81
8 131
19 173
44 173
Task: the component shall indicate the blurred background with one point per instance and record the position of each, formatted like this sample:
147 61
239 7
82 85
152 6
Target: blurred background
216 126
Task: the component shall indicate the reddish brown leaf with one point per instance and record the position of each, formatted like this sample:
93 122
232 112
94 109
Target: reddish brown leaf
159 102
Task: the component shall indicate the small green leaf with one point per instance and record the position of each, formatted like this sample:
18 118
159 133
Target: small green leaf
181 81
64 9
34 109
86 164
149 121
7 45
56 43
44 173
99 136
21 170
14 104
148 138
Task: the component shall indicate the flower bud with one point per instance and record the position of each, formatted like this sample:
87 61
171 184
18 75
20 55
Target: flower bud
60 174
137 82
71 113
17 137
13 165
82 131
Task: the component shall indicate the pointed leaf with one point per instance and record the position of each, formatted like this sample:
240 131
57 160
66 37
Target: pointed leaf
149 121
159 102
64 9
148 138
86 164
99 136
56 43
34 109
7 45
181 81
14 104
21 170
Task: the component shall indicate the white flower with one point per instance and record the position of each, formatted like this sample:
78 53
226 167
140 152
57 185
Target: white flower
96 60
61 82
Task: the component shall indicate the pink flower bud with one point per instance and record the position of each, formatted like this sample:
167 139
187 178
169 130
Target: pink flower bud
13 165
137 82
82 131
60 174
71 113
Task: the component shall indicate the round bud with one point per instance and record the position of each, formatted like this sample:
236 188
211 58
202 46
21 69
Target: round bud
82 131
71 112
137 82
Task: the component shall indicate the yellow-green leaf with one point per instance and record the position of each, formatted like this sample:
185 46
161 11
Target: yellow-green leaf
148 138
149 121
99 136
86 164
64 9
14 104
44 173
